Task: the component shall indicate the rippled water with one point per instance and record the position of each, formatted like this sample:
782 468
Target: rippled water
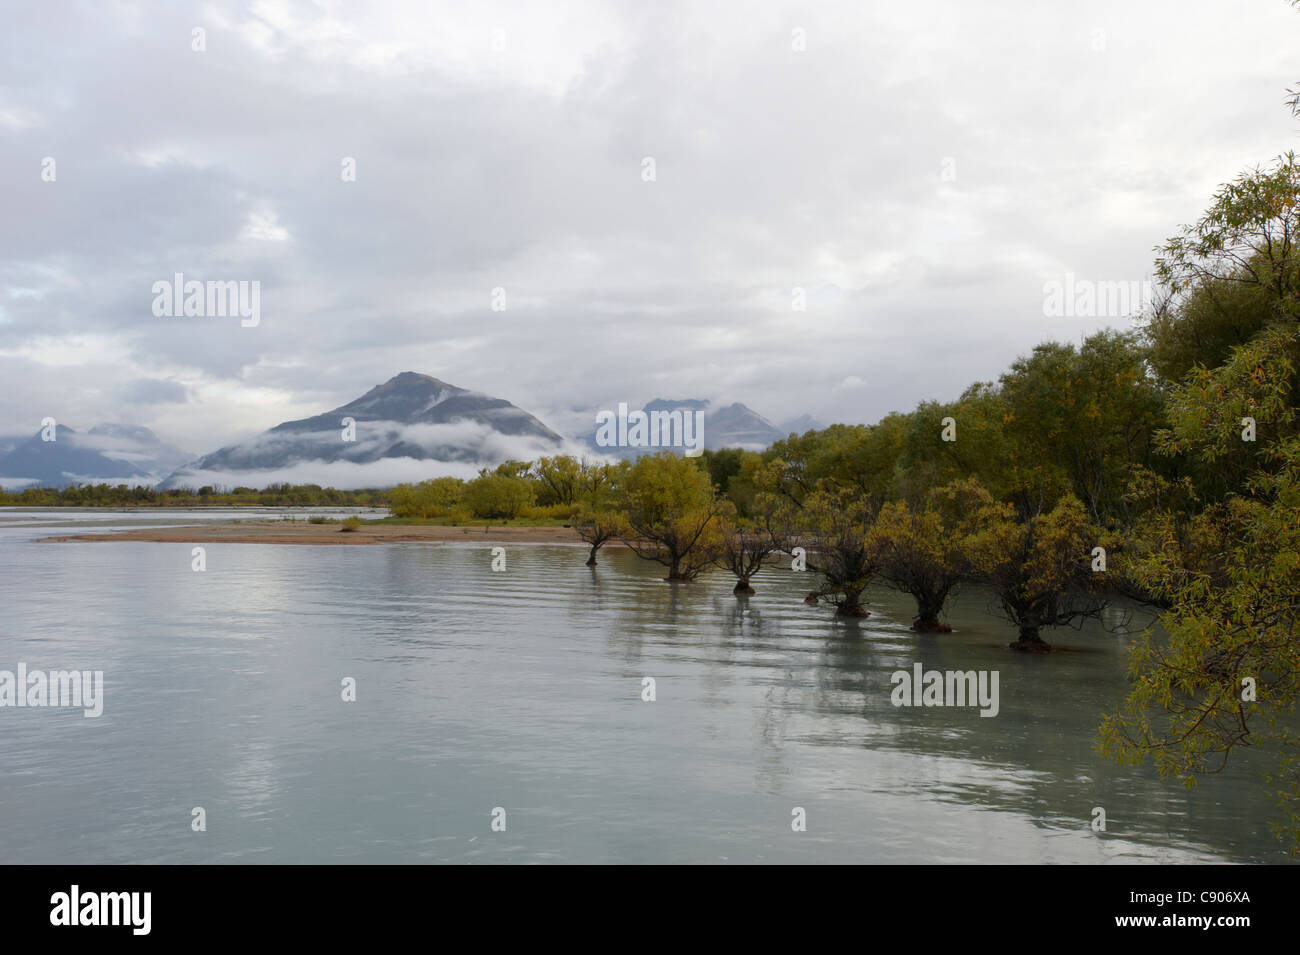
522 690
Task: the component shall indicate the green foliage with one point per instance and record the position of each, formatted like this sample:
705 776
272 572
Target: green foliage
841 456
599 484
546 512
1038 567
1206 411
428 499
839 520
497 496
1232 584
510 469
597 527
560 478
733 471
982 447
1086 416
1219 548
926 552
1202 327
1247 237
672 514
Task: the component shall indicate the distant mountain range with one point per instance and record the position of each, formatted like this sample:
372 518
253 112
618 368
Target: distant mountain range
410 418
409 428
107 453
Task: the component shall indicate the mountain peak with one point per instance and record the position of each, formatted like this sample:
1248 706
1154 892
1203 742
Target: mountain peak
411 381
109 453
666 404
410 417
407 378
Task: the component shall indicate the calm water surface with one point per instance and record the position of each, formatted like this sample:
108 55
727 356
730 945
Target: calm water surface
522 690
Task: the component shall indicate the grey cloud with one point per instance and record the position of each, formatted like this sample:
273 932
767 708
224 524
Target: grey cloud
151 391
775 169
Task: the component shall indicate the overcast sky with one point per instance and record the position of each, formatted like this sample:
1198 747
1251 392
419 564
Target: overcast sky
503 145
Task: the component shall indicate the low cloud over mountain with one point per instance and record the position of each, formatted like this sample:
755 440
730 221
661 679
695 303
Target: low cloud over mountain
409 428
106 454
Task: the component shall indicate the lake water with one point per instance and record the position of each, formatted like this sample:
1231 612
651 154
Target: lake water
522 690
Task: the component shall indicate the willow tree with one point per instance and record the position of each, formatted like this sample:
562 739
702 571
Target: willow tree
839 520
849 457
560 477
672 514
593 490
925 552
1084 417
1248 236
746 543
1229 674
1039 567
597 527
432 498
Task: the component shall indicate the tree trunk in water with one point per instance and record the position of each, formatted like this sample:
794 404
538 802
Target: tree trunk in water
927 617
929 623
742 586
591 561
1031 642
851 605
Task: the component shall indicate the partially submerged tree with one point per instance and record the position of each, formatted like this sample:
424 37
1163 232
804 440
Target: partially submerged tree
925 552
597 528
593 489
839 521
748 542
1039 568
672 514
742 548
743 552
